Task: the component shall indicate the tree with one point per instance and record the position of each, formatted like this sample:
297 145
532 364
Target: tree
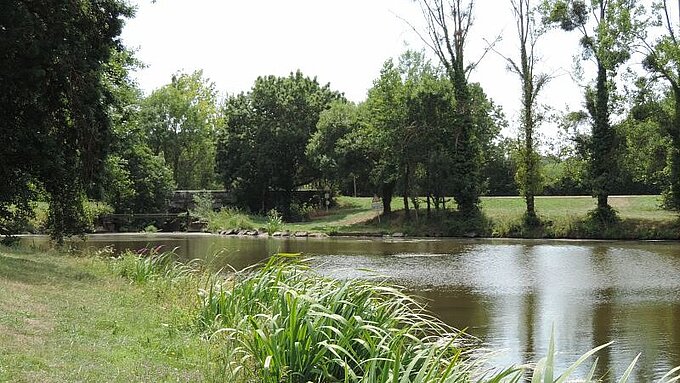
648 146
663 60
386 110
180 121
607 29
261 148
138 181
336 148
54 104
448 25
528 33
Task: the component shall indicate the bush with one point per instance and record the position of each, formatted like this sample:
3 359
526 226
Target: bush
285 323
149 264
274 222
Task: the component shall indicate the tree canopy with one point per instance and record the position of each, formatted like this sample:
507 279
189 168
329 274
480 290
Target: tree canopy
56 127
261 148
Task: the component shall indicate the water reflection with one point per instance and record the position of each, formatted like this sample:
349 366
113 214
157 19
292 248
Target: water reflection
508 293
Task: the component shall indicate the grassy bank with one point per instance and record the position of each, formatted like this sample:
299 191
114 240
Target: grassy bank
70 318
65 319
561 217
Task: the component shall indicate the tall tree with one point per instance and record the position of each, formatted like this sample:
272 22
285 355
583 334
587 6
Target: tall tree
180 121
663 59
528 34
336 148
137 180
261 148
607 29
448 25
56 126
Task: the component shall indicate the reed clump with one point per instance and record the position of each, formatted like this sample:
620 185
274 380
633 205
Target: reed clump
285 323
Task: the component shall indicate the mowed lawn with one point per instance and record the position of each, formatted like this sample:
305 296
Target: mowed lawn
507 208
641 218
556 208
71 319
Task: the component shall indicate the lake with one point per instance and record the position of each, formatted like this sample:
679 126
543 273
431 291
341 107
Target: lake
508 293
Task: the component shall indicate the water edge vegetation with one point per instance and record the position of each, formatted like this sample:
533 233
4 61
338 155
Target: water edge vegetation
141 315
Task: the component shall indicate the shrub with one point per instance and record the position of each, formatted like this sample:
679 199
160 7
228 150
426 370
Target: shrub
149 264
274 222
285 323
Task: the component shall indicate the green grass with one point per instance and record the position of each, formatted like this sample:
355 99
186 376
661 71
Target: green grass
70 318
562 217
65 318
284 323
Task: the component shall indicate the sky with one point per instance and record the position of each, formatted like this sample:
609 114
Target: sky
341 42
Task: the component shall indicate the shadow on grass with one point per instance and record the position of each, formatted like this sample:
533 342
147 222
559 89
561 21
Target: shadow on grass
592 226
337 214
446 223
17 268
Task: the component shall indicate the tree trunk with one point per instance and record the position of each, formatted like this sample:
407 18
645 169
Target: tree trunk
407 211
603 162
428 203
387 191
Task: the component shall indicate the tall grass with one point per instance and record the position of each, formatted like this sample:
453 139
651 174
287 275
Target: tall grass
544 370
230 218
150 264
284 323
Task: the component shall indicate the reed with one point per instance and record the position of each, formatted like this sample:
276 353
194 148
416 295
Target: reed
152 263
284 323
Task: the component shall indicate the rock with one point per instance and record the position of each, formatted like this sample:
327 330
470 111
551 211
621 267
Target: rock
398 235
252 232
318 235
242 232
471 234
229 232
277 234
285 233
301 234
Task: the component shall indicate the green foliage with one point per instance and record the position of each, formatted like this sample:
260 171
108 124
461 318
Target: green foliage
262 146
179 121
274 222
606 39
339 148
149 264
663 60
54 104
285 323
230 218
203 205
138 181
415 138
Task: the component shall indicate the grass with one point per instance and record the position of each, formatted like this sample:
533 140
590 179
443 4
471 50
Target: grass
65 318
284 323
562 217
90 318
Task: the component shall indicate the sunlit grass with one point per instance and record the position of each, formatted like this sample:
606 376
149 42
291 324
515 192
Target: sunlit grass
78 318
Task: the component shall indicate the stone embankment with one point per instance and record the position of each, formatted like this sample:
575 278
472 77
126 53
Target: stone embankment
278 234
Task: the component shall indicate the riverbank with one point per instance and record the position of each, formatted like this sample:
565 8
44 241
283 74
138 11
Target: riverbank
66 318
142 317
501 217
135 317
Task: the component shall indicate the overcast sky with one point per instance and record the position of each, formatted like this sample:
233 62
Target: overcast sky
343 42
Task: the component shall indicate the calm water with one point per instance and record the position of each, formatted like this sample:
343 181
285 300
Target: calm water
508 293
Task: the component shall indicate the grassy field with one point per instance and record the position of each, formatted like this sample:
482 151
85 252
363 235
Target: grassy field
563 217
66 319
